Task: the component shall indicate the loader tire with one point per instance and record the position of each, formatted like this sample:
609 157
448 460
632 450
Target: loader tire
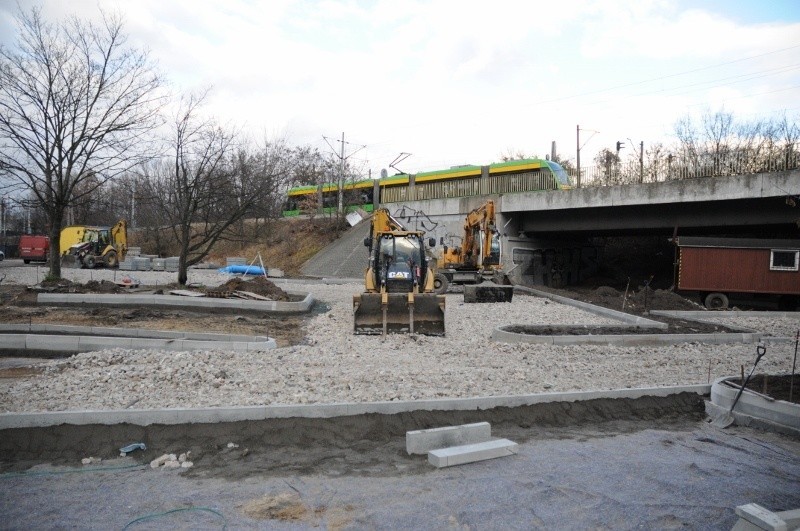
111 259
89 262
440 283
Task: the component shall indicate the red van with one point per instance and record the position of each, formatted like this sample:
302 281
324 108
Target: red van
34 248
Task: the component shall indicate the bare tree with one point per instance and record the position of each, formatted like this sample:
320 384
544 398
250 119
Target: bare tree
75 102
608 164
208 183
516 154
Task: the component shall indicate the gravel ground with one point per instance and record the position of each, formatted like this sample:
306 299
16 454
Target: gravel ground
337 366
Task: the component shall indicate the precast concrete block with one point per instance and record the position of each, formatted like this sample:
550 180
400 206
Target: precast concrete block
470 453
423 441
14 342
90 343
760 517
53 343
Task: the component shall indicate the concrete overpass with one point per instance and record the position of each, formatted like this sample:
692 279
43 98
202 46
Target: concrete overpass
546 235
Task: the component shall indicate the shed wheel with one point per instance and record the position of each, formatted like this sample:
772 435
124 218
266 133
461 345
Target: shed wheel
716 301
111 259
440 283
89 261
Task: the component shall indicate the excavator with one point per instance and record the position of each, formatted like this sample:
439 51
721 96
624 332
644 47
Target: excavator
476 260
398 295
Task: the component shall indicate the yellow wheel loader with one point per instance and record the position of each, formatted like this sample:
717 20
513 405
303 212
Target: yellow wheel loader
398 295
84 246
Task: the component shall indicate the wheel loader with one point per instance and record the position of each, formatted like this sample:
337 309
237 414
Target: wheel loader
86 246
476 261
398 295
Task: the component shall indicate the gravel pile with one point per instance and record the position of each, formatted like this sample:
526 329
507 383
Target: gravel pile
337 366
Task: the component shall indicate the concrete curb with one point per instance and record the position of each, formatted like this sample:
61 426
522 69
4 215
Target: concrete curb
69 344
623 340
62 330
723 314
173 301
708 316
755 405
256 413
597 310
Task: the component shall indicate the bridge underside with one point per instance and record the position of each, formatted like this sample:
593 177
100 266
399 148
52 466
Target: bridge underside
768 217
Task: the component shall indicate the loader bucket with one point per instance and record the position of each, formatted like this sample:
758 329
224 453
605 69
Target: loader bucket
70 261
402 313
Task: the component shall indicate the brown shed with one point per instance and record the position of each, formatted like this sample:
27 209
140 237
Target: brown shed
722 266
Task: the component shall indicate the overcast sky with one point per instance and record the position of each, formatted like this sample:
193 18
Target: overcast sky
457 82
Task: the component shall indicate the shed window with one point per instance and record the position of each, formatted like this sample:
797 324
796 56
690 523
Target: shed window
782 260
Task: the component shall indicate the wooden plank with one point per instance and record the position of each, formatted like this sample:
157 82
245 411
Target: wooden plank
251 295
186 293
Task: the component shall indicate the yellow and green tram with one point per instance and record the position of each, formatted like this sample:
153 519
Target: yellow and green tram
525 175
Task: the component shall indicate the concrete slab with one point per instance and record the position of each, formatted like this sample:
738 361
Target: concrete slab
420 442
471 453
762 518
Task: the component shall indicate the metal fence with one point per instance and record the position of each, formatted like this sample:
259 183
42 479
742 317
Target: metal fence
668 168
674 168
472 186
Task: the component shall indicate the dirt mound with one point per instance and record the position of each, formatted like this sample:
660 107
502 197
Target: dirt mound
659 299
639 301
258 285
93 286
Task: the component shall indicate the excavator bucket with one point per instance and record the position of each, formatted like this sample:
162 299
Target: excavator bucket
399 313
488 292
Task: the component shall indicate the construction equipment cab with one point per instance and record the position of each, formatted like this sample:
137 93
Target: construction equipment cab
398 295
87 246
476 260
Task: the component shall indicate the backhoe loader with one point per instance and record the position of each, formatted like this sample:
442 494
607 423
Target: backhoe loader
476 260
398 295
85 246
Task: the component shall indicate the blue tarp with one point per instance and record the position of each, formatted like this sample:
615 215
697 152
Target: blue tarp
242 270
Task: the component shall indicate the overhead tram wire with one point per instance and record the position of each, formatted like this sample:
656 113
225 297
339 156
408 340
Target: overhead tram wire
725 81
631 84
662 78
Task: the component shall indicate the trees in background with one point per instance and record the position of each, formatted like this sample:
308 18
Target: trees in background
715 145
77 103
208 181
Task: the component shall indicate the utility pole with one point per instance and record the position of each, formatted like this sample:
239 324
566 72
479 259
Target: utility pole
578 155
579 147
342 162
340 198
641 161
